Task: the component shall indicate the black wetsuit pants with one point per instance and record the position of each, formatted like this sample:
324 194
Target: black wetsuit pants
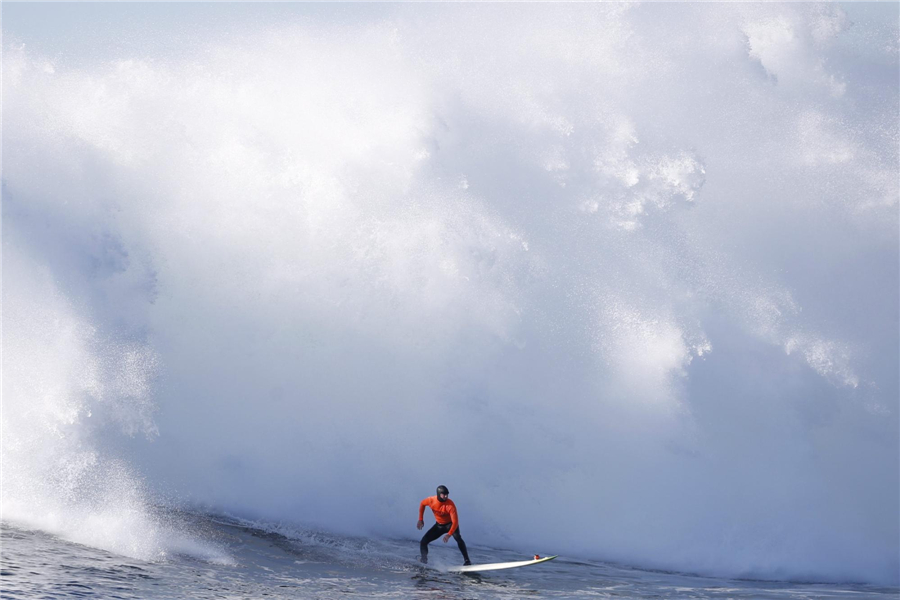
437 531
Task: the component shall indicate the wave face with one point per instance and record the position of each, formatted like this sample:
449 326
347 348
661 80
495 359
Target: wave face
623 277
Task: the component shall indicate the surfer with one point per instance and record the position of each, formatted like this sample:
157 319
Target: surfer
446 522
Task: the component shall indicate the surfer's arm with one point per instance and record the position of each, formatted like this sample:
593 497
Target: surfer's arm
454 519
422 506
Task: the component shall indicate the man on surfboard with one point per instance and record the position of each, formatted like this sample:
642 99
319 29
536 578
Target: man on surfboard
446 522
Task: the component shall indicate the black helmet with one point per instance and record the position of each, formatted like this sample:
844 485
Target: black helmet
442 489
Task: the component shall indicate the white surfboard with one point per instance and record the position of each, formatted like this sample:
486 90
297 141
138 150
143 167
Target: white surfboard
498 566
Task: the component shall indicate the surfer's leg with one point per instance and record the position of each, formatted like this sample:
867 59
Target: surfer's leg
461 544
430 535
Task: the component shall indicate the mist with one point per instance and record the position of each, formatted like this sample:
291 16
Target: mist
623 277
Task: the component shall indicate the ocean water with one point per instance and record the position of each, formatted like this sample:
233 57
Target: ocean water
274 561
624 277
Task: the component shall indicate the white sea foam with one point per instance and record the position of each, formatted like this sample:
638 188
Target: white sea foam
65 390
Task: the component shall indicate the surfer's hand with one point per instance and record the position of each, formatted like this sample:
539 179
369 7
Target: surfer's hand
420 524
446 538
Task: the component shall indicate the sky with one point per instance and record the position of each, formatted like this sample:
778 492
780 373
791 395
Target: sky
626 274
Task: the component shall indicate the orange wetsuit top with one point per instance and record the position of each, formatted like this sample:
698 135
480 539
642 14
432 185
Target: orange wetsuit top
444 512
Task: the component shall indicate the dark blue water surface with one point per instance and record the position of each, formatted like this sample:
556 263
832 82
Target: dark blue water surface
273 562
